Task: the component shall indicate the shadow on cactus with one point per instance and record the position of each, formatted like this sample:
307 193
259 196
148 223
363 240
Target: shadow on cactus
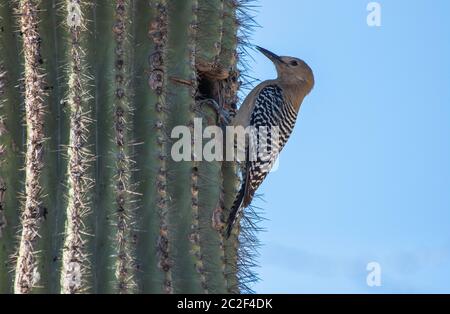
90 200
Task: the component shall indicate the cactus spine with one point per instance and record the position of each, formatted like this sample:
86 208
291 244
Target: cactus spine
90 199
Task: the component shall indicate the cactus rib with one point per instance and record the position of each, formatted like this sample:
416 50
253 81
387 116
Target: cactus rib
74 266
123 190
26 270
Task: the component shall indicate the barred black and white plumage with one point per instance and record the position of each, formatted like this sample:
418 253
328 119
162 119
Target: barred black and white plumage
271 104
274 114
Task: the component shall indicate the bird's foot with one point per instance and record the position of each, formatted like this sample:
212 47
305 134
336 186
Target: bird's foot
223 116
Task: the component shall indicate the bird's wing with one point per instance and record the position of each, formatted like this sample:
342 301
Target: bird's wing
270 111
249 190
244 113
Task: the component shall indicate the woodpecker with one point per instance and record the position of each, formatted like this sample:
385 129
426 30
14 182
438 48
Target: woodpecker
271 104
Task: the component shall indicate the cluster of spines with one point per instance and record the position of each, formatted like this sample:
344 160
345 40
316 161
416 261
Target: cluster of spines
195 236
26 269
157 81
247 243
123 188
74 262
245 11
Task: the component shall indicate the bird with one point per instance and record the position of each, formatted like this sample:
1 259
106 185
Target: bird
273 103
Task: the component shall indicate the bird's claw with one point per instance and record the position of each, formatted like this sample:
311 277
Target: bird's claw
223 116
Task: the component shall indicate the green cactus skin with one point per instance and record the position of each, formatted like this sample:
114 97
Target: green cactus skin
182 223
149 33
228 57
211 243
230 186
209 33
57 136
103 59
90 199
12 134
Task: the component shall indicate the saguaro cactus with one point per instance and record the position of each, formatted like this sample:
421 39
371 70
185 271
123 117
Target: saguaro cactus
90 199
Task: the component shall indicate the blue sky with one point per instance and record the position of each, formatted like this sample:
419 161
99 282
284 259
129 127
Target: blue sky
365 176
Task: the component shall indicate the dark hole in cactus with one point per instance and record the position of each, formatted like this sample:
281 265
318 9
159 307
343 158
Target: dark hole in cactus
207 87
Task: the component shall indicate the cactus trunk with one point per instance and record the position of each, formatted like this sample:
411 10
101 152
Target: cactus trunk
91 200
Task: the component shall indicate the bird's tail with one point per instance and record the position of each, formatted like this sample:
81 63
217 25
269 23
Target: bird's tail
235 210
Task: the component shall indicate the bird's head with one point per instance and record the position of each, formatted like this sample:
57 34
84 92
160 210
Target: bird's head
292 71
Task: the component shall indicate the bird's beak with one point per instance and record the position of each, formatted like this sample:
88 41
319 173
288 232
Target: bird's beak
269 54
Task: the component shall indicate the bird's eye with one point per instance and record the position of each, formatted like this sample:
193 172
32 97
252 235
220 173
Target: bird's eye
294 63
